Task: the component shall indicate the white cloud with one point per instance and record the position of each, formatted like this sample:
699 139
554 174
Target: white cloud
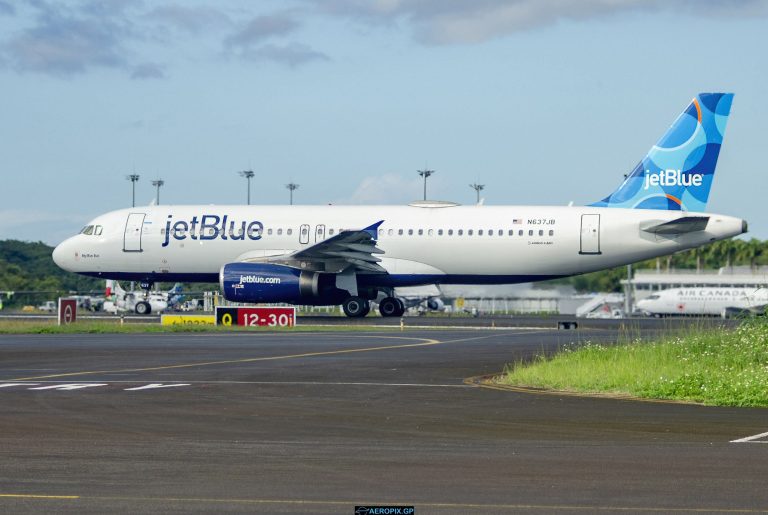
390 189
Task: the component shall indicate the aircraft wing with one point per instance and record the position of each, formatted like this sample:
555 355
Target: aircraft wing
354 248
681 225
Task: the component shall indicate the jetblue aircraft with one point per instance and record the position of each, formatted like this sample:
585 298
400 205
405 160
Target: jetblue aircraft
349 255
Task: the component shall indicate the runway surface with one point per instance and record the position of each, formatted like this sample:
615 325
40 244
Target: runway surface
321 422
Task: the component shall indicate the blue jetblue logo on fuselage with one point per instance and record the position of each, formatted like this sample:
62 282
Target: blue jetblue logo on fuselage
211 227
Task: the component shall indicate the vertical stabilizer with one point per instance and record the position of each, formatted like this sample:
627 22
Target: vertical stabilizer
677 172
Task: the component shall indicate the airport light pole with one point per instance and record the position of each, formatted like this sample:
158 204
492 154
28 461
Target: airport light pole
292 186
478 188
157 184
425 174
134 177
248 174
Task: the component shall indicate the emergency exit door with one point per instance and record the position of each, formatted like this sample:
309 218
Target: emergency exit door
590 234
133 230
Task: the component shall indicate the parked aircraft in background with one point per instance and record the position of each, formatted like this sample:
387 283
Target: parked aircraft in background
142 303
705 301
349 255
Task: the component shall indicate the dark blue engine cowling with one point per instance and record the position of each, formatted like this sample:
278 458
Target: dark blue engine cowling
266 282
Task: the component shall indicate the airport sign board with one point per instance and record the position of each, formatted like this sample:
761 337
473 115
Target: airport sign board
67 311
187 320
263 316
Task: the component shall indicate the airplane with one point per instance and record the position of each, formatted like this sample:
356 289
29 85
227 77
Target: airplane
705 301
119 299
350 255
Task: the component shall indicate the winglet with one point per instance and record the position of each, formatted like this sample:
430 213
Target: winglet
373 230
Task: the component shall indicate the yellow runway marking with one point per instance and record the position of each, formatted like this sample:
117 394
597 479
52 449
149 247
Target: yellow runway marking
433 505
32 496
423 342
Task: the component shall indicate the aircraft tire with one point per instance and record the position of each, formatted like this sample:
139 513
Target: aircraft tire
389 307
401 308
143 308
356 307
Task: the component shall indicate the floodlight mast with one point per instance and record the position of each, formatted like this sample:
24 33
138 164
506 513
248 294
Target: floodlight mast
134 177
478 188
292 186
248 174
425 174
157 184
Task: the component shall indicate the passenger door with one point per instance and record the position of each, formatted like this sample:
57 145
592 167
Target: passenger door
133 230
590 234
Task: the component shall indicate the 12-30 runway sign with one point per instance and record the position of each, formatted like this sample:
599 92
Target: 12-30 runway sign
256 316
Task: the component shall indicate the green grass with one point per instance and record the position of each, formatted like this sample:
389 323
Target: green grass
715 367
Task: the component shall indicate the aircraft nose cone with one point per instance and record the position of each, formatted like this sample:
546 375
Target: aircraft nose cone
60 255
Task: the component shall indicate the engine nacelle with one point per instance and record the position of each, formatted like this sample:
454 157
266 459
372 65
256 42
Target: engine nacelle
435 304
266 282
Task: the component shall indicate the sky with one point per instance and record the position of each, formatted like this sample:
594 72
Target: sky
544 102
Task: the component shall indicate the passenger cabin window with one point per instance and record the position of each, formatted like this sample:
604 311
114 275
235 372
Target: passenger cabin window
280 232
480 232
450 232
289 232
391 232
421 231
330 232
439 232
511 232
461 232
501 232
269 232
410 232
551 232
530 232
541 232
520 232
400 232
469 232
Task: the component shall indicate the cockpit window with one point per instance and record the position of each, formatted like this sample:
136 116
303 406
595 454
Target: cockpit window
88 230
97 230
653 297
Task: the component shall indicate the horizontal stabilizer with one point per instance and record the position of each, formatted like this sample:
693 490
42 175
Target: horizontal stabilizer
682 225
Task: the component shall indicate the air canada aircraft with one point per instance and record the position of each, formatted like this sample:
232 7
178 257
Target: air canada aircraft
350 255
722 301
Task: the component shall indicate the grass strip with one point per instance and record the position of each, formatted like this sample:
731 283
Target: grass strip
720 367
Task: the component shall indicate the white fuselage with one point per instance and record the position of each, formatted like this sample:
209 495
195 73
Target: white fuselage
702 300
422 245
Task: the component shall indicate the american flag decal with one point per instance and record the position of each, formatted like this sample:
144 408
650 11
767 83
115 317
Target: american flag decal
517 221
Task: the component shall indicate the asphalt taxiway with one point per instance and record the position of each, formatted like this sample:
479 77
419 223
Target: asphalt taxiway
321 422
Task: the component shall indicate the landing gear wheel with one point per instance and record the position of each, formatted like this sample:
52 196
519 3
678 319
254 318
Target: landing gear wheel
143 308
401 309
390 307
356 307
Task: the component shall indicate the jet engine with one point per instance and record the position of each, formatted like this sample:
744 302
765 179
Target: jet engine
267 282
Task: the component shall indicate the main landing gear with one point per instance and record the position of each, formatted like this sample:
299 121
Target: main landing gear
391 307
358 307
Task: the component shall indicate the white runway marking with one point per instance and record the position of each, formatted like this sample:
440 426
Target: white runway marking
69 386
153 386
751 439
6 385
60 385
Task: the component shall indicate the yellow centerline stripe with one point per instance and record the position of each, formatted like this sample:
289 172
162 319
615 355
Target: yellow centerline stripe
33 496
423 342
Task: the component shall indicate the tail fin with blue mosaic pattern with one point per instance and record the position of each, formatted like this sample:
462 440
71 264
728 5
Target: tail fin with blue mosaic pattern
677 172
